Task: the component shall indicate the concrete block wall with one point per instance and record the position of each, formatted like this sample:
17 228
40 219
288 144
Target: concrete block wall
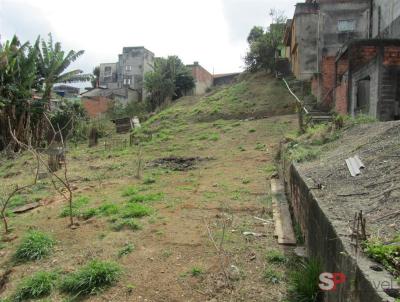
386 18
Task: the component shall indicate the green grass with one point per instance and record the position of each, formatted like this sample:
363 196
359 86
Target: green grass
276 257
388 253
301 153
149 180
108 209
126 250
35 245
77 205
129 191
272 276
128 223
146 197
134 210
36 286
87 214
260 147
298 233
16 201
91 278
196 271
304 280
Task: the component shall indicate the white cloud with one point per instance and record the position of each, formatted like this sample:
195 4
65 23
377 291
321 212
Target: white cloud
212 32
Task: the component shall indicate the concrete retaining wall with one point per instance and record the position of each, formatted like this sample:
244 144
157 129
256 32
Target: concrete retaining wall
323 242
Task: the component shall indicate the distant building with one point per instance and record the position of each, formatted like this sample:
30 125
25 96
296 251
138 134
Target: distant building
225 78
350 51
66 91
385 19
128 73
203 79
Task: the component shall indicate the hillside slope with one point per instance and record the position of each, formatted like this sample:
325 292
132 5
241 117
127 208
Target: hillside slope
177 232
253 96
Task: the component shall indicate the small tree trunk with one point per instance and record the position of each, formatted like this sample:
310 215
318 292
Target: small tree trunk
4 218
71 214
301 119
93 137
54 162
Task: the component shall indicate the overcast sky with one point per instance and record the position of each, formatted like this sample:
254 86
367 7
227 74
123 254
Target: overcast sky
212 32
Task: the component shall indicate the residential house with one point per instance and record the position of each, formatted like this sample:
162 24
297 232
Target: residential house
318 30
385 19
368 71
368 78
350 53
66 91
225 78
128 73
202 78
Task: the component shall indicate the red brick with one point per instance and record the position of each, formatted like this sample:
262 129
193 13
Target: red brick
96 106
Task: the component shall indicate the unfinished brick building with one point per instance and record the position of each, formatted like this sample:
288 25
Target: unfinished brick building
368 79
334 44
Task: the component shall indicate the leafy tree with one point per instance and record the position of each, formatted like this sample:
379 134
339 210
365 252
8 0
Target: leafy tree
263 45
52 64
25 71
96 77
17 81
255 34
169 79
66 115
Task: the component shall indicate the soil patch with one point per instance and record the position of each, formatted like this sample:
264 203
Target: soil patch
178 163
374 191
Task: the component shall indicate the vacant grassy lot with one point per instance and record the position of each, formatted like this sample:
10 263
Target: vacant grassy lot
176 234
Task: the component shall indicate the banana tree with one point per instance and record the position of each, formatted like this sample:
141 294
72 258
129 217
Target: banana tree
17 79
53 64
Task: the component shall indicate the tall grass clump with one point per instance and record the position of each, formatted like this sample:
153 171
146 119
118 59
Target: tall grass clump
34 246
36 286
77 205
134 210
304 280
91 278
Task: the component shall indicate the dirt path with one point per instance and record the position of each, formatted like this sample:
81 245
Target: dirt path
173 257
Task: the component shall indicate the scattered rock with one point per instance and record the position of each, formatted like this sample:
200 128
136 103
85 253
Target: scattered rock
301 251
392 292
253 234
4 273
11 174
234 273
42 175
376 268
27 207
9 237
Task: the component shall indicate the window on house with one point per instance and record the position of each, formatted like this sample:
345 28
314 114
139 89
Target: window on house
107 71
346 25
127 81
128 67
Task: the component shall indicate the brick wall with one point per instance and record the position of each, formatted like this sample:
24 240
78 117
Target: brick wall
360 56
341 100
391 56
96 106
314 86
202 77
328 80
